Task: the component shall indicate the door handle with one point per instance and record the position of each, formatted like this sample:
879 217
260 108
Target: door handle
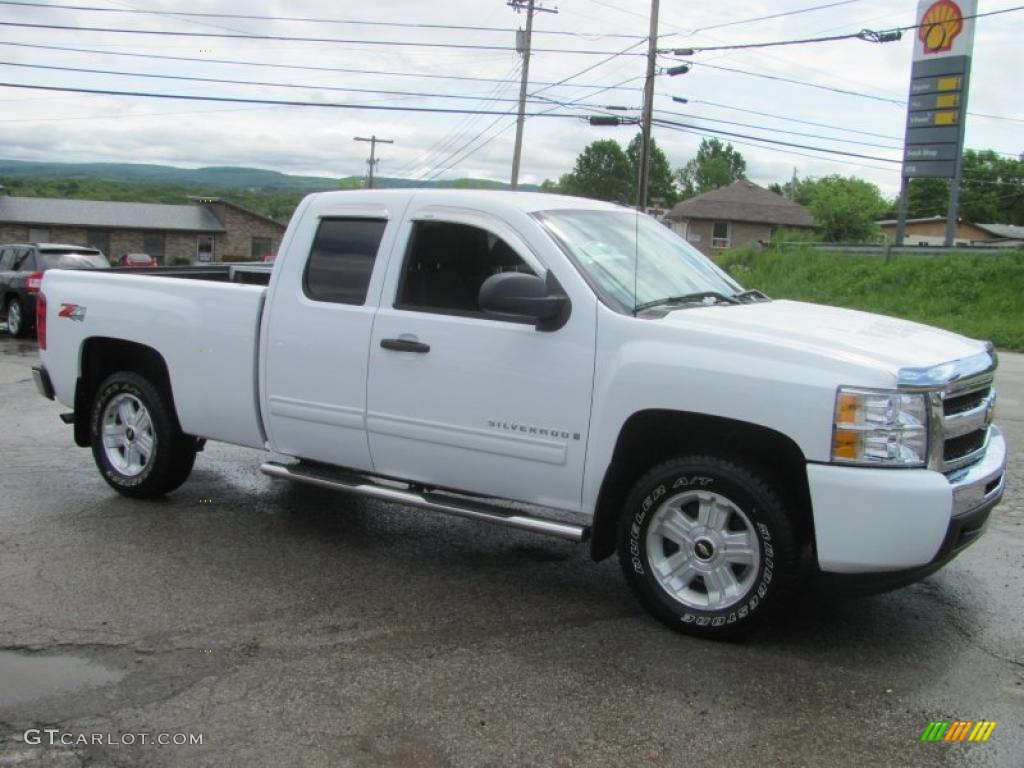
405 345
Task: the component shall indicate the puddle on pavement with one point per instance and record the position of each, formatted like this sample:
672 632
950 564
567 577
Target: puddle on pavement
27 677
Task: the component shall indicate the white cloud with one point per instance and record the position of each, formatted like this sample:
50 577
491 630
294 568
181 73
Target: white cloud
77 127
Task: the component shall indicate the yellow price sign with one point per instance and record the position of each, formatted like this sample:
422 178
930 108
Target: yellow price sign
949 83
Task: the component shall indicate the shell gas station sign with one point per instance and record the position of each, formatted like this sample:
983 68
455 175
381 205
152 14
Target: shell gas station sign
937 106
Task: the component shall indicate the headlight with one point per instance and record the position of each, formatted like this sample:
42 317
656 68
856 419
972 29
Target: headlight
879 427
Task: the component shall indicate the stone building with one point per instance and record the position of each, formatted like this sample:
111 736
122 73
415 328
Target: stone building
735 215
210 229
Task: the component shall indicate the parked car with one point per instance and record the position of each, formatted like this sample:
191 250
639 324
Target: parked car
557 365
21 271
138 260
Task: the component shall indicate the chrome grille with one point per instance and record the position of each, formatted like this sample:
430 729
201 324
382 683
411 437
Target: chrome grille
955 404
961 401
961 416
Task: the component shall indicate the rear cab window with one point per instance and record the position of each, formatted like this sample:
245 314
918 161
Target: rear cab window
341 259
72 259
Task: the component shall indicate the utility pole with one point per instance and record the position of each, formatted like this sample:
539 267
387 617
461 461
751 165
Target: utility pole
645 127
530 7
372 162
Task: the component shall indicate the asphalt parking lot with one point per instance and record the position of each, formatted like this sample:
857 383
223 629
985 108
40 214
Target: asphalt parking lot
289 626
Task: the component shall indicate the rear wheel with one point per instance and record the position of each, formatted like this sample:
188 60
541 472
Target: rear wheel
136 441
17 323
706 546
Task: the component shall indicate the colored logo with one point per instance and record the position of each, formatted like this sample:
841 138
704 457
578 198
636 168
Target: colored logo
940 25
72 312
958 730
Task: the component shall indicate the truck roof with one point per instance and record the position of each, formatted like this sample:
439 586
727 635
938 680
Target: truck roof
527 202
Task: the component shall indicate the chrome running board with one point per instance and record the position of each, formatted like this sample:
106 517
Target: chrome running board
363 485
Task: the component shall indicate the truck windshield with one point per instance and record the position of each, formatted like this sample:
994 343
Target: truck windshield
72 260
606 246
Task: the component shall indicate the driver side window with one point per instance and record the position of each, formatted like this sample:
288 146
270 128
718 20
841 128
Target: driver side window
446 263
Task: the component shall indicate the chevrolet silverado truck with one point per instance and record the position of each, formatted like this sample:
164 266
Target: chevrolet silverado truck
559 365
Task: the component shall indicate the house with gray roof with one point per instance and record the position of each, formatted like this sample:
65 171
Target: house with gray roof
208 229
735 215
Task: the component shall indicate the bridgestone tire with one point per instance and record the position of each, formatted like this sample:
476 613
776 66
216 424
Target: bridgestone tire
667 504
172 453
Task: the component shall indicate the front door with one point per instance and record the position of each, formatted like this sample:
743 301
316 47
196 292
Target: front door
459 399
204 249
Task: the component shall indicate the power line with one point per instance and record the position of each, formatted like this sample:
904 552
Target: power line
774 116
303 67
703 134
833 89
285 38
313 20
273 102
460 130
771 16
471 147
864 34
717 132
260 83
778 130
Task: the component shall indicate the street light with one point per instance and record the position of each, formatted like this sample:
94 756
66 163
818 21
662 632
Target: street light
682 69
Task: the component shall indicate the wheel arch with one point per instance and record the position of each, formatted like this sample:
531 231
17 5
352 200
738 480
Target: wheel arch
652 436
101 356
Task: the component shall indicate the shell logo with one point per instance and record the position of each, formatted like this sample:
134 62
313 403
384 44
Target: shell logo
940 25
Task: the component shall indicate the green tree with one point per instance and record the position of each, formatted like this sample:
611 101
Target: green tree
844 208
716 165
992 191
660 184
602 171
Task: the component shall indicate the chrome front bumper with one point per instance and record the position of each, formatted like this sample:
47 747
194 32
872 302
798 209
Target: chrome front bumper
982 483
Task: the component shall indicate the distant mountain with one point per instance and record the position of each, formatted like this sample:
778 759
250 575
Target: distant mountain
255 179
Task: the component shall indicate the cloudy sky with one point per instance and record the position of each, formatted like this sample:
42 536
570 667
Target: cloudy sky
362 65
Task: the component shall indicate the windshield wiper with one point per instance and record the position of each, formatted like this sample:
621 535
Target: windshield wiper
700 297
752 295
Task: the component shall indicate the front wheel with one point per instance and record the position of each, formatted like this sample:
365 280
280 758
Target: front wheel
136 441
706 546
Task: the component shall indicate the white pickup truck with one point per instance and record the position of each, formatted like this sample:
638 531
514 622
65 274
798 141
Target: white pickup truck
554 364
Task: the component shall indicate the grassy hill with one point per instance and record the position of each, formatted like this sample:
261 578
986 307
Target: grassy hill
227 177
271 193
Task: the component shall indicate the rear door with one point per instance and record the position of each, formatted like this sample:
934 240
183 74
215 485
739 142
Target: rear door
317 333
460 399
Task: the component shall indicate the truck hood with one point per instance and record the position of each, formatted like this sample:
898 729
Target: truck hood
859 338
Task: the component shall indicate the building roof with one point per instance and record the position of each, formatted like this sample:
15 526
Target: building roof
743 201
998 231
47 211
238 207
1003 231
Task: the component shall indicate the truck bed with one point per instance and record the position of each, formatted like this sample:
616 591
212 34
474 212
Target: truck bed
205 329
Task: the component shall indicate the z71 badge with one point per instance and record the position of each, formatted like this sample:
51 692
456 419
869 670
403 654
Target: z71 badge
72 312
